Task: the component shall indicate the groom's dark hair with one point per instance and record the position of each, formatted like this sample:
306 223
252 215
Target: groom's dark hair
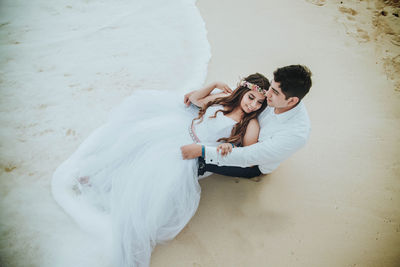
295 80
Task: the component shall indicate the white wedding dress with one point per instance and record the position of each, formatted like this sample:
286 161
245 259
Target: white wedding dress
127 182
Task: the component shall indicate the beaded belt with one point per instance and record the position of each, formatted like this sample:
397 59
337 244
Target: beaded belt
193 134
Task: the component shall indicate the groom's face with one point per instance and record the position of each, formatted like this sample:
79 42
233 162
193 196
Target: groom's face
275 97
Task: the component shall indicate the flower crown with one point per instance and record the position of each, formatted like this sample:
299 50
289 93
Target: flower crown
252 86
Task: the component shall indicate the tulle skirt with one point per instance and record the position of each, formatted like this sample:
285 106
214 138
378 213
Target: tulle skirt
127 182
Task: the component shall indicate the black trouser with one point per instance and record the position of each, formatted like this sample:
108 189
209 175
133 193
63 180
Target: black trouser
248 172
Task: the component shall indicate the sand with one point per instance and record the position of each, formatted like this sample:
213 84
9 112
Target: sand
334 203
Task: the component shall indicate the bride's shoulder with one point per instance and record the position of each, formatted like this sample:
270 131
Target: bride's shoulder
253 124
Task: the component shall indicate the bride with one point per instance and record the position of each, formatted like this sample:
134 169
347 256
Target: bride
127 182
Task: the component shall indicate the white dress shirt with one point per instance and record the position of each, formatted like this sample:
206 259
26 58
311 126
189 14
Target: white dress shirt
280 136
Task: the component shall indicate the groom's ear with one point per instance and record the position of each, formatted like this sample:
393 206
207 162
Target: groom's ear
293 101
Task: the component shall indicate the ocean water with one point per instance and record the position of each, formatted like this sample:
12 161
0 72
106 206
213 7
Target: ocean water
64 65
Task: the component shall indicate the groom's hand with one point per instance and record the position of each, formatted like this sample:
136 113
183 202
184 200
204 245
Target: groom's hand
191 151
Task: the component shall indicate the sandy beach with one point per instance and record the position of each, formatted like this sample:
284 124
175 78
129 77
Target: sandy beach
334 203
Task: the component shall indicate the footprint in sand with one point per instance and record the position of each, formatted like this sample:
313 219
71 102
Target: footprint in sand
348 10
9 167
362 36
392 68
353 29
317 2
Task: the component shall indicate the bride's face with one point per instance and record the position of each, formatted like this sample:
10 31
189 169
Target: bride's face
252 101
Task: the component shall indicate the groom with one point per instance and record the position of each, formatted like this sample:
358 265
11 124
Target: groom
285 128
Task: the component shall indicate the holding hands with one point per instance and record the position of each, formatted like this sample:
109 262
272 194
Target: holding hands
224 149
192 151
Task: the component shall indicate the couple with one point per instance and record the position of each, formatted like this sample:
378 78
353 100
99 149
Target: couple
127 182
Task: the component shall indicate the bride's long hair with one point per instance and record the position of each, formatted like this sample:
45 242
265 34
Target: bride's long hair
231 102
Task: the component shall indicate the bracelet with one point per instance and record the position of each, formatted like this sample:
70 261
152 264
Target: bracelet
203 151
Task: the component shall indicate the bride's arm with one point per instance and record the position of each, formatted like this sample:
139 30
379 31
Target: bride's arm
201 97
252 132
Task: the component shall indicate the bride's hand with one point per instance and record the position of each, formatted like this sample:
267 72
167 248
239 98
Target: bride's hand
186 99
191 151
224 148
224 87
